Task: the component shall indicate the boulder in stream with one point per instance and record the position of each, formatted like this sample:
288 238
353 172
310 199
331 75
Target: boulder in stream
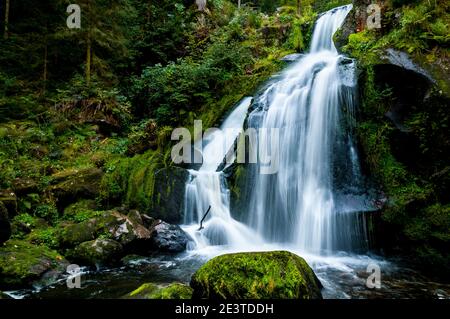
168 238
256 275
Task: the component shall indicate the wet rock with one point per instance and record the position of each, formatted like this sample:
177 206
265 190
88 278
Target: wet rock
97 252
22 263
291 57
72 185
168 238
5 226
261 275
153 291
147 220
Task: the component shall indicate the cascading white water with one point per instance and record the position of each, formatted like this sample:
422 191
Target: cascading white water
304 203
207 187
298 204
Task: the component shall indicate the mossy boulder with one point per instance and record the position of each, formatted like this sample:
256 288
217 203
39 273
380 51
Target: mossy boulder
128 231
97 252
71 185
258 275
153 291
22 263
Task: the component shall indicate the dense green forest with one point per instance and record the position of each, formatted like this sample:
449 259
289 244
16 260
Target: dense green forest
86 115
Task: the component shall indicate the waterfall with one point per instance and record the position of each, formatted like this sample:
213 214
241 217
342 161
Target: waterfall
314 199
207 187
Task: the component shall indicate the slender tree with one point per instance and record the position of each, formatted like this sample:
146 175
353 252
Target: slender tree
7 5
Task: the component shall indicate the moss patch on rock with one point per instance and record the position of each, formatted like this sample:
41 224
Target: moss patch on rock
153 291
21 263
260 275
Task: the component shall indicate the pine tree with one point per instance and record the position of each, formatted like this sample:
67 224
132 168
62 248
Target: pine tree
102 34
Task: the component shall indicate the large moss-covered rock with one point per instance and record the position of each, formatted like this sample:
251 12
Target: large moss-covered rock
98 252
72 185
153 291
259 275
22 263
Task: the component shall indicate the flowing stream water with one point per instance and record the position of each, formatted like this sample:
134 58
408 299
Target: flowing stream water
314 203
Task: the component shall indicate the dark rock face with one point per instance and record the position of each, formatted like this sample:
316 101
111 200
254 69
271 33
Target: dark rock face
261 275
23 186
409 90
168 195
71 186
169 238
9 199
5 226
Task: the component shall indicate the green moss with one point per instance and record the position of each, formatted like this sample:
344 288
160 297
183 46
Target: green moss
46 236
22 262
153 291
277 274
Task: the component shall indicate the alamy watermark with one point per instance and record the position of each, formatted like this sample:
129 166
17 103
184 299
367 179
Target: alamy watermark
233 143
374 279
74 19
74 278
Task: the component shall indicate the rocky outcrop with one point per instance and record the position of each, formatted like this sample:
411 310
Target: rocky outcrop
168 238
22 263
262 275
153 291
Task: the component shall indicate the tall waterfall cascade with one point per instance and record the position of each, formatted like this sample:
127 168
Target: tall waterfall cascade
314 199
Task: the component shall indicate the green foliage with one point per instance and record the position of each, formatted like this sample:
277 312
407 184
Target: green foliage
47 212
44 236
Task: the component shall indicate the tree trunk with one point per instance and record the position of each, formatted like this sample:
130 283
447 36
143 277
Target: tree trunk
88 58
299 11
45 66
7 3
239 4
88 47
